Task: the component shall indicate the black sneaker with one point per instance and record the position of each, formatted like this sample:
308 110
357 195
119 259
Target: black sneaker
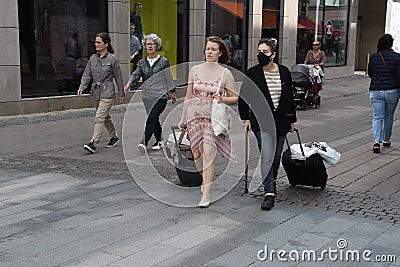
157 146
90 147
376 148
113 142
268 203
387 143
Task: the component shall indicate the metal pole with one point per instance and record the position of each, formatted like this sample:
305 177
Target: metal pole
367 63
316 21
246 160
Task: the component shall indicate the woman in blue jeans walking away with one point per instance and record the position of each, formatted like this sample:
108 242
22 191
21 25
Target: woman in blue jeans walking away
384 71
275 83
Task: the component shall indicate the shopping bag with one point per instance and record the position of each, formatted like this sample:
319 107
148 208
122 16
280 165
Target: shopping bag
330 155
183 144
221 118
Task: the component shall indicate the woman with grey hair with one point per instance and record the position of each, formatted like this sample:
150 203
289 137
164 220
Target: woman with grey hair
155 91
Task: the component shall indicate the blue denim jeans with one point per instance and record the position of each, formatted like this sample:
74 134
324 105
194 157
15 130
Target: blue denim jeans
269 172
384 104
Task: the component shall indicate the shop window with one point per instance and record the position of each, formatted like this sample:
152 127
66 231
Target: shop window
227 20
327 22
169 20
56 40
270 19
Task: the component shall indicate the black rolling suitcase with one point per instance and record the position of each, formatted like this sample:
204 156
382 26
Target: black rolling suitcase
310 171
184 164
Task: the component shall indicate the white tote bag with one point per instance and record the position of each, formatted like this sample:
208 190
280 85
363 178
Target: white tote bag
221 118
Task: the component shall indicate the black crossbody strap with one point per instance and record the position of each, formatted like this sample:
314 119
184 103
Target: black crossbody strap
390 71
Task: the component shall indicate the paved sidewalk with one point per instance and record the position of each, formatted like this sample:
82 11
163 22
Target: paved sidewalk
60 206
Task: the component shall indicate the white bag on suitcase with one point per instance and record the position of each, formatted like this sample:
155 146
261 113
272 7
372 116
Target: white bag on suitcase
330 155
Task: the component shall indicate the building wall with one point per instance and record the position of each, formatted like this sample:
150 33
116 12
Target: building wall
10 78
254 30
118 15
373 16
288 32
197 29
119 30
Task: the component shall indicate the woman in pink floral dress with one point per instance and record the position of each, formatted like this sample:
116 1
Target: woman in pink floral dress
196 117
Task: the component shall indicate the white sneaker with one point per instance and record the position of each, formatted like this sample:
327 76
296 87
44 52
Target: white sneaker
142 148
157 146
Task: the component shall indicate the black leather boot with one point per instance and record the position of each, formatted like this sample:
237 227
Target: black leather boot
268 203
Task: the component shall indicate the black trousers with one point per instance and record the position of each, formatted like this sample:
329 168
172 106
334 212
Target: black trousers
153 126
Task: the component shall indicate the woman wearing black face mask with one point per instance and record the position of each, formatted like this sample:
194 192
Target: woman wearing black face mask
275 83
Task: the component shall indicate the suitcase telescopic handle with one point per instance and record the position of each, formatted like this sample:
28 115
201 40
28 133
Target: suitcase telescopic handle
246 152
298 137
177 141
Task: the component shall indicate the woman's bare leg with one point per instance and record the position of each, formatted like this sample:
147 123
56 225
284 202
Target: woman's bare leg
198 161
208 171
199 164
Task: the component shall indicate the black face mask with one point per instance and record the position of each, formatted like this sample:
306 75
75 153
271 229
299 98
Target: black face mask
263 59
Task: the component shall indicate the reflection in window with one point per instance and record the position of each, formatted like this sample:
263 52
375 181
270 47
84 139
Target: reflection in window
336 13
227 20
57 38
169 20
270 19
325 21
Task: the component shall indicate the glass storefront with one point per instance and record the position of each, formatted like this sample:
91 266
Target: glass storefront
226 19
56 40
270 19
327 22
169 20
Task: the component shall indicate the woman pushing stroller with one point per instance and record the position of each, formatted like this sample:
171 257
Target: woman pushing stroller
317 58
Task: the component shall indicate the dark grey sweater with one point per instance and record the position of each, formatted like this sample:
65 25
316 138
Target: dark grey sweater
157 80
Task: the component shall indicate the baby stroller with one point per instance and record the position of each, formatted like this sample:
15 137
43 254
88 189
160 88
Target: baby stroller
178 149
305 88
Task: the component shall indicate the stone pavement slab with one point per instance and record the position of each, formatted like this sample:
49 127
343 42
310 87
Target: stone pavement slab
60 206
108 235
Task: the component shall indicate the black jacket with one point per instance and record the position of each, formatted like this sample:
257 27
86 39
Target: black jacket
284 114
382 77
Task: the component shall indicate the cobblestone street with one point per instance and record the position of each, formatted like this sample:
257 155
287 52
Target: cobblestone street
62 207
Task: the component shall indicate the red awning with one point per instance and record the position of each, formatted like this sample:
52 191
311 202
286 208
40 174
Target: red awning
235 8
309 26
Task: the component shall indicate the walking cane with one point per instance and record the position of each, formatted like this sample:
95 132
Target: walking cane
246 152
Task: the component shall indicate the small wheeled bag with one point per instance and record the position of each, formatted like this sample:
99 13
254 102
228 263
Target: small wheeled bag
307 171
184 164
